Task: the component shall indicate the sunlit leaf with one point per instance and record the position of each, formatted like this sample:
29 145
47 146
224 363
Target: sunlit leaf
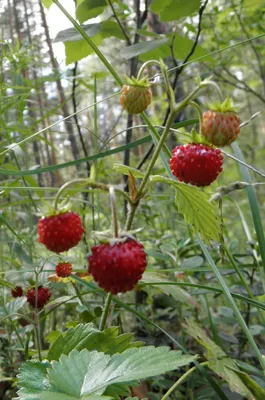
196 208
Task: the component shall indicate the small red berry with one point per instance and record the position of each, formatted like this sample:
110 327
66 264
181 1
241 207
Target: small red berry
63 270
135 96
196 164
17 291
60 232
117 268
43 296
220 128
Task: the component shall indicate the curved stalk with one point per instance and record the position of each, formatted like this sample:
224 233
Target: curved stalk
182 379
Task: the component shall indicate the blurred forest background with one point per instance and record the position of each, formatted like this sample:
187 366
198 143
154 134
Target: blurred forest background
60 119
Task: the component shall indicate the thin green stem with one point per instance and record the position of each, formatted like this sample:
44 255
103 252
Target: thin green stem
199 111
233 305
182 379
90 42
36 316
12 324
105 312
114 212
92 184
254 206
242 280
145 65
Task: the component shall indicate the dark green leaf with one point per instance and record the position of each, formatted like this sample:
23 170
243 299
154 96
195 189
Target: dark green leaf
85 336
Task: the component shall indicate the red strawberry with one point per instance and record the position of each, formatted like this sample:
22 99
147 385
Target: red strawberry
197 164
221 124
43 296
60 232
118 267
136 96
17 291
63 270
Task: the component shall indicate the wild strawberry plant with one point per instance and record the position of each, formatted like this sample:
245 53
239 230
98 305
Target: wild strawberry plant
92 355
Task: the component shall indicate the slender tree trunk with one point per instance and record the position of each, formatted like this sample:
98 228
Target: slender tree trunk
61 95
40 102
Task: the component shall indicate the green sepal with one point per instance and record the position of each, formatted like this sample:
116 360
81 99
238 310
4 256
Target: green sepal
225 106
47 208
137 82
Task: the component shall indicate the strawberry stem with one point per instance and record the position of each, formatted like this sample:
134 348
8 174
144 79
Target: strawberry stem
114 211
105 313
199 111
93 185
144 66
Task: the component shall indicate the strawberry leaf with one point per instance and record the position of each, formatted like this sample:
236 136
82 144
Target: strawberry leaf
85 336
84 373
194 205
128 170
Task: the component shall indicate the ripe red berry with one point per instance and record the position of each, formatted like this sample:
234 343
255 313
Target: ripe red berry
63 270
60 232
17 291
135 97
43 296
197 164
117 268
220 128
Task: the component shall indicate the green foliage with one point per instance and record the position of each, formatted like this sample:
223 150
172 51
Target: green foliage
196 208
225 366
40 152
88 9
124 169
176 292
77 48
85 373
171 10
85 336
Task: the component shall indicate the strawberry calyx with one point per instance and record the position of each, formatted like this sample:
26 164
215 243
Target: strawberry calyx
193 137
225 106
48 210
106 236
143 82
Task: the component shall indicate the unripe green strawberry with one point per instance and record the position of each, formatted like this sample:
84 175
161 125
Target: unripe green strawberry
135 96
221 125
